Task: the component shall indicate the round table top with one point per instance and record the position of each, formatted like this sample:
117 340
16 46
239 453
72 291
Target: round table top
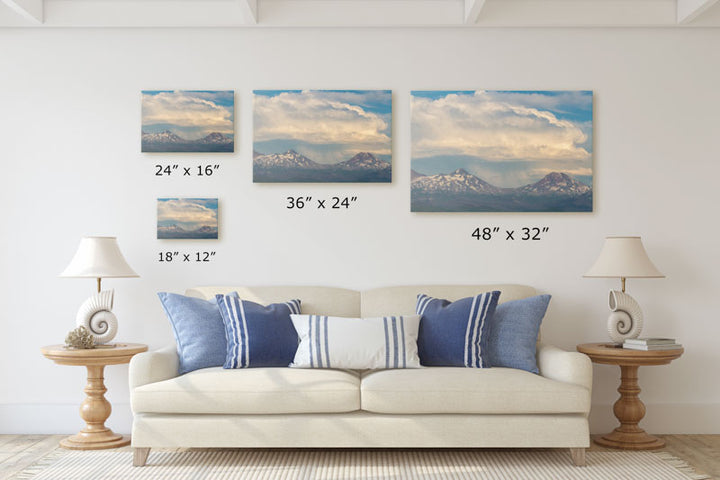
112 354
612 354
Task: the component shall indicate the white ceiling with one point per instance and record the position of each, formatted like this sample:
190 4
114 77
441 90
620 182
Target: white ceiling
359 13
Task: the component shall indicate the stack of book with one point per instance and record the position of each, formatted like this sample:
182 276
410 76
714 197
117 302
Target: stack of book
651 344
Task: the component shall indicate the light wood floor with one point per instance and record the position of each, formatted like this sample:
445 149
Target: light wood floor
20 451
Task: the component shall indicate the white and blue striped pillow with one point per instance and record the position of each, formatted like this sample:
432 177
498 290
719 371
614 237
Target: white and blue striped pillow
257 335
454 334
356 343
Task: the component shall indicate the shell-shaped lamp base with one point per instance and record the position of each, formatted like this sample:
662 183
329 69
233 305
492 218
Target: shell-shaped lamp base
96 315
626 319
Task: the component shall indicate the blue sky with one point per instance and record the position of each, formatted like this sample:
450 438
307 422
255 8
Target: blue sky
508 138
327 126
191 114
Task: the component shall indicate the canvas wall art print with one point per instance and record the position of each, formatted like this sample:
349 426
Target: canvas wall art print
188 121
322 136
187 218
502 151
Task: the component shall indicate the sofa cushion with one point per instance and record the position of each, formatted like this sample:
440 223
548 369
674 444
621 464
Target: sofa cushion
251 391
454 334
198 329
257 335
513 332
469 390
357 343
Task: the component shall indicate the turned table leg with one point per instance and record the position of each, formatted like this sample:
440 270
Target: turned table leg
95 409
629 410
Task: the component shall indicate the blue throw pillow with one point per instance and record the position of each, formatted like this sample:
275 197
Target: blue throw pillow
258 336
514 332
454 334
199 331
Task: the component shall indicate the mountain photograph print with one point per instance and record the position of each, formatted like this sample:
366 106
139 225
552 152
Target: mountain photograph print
187 218
200 121
322 136
502 151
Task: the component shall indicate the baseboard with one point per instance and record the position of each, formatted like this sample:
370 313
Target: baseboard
669 418
38 418
64 418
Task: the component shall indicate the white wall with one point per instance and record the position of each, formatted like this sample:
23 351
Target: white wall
70 165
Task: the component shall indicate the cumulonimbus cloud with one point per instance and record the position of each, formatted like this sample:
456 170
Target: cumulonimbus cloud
184 109
186 211
493 127
321 118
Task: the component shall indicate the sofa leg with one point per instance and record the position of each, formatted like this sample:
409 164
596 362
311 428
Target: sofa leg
578 456
140 456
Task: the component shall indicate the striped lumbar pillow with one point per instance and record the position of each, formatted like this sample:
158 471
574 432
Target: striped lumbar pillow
357 343
257 335
454 334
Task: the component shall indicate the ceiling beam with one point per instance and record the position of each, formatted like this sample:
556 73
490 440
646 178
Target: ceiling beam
359 13
143 13
578 13
689 10
472 10
30 9
250 10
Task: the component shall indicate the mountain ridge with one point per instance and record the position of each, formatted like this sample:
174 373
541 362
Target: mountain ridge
167 136
289 159
176 231
461 181
292 166
461 191
364 160
458 181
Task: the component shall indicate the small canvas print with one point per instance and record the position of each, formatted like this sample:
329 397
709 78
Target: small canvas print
502 151
187 218
188 121
322 136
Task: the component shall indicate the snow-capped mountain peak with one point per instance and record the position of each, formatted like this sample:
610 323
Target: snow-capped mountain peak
556 182
289 159
165 136
364 161
216 137
459 181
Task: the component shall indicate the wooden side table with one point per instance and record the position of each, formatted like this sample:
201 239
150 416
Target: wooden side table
95 409
629 410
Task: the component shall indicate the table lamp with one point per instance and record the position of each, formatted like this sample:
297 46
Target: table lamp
623 257
98 257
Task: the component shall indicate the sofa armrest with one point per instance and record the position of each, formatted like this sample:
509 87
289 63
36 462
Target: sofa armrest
151 367
569 367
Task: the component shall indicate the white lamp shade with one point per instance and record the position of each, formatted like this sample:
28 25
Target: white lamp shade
623 257
98 257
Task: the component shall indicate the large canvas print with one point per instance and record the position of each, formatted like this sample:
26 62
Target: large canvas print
322 136
187 218
188 121
502 151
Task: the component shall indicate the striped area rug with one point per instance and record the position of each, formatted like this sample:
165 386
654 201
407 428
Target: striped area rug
357 464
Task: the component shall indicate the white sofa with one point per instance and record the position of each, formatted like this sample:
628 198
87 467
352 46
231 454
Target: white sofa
434 407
